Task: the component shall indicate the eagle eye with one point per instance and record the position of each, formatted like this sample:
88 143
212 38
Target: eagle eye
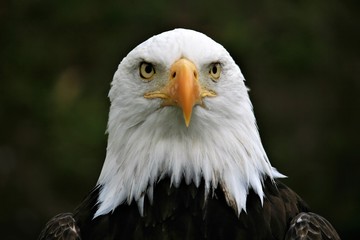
146 70
215 71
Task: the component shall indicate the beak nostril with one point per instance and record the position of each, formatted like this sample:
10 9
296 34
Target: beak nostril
195 74
174 74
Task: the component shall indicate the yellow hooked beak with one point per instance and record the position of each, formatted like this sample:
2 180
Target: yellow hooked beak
183 88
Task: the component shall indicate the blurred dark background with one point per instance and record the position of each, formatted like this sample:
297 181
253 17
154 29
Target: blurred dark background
57 58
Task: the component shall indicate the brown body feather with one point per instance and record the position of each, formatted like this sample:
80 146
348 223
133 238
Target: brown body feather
184 213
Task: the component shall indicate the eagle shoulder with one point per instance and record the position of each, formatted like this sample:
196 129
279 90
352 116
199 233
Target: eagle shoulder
309 225
61 227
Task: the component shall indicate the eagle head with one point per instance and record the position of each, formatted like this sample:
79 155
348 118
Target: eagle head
180 109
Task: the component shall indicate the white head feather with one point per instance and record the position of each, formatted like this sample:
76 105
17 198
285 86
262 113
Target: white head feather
146 142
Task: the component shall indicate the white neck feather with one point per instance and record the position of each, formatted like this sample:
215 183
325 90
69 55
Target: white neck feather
221 147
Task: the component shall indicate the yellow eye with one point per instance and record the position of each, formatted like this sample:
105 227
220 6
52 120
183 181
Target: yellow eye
215 70
146 70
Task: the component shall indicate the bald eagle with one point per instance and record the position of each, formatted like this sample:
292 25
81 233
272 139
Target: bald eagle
184 158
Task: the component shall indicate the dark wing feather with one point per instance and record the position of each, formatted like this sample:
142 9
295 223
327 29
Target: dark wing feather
310 226
61 227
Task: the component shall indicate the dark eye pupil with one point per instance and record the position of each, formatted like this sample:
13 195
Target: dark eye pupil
148 68
214 69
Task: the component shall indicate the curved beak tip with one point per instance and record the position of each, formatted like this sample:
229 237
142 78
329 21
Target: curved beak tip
187 119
